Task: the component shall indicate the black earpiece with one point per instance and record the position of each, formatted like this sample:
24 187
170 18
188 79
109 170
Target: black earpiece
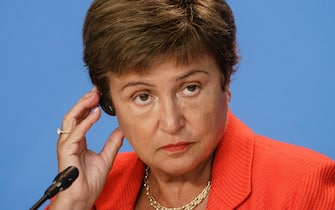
107 106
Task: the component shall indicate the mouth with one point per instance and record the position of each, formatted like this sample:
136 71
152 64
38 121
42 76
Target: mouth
179 147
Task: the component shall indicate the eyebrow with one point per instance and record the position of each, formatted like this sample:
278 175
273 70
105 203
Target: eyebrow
188 74
130 84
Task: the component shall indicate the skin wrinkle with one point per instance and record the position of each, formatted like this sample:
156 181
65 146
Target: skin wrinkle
171 117
160 29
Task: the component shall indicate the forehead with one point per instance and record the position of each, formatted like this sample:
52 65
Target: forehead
168 64
164 73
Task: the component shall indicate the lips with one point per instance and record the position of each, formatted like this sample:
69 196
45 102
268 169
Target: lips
179 147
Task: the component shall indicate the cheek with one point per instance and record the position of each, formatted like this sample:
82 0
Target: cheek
210 120
136 130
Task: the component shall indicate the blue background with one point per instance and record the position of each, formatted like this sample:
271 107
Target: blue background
284 88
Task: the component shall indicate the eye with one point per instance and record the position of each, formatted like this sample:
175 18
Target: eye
191 90
143 99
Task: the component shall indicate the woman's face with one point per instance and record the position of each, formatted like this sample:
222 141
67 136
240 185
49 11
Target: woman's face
173 116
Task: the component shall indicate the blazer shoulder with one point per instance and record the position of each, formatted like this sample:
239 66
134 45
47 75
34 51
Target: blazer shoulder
290 152
303 178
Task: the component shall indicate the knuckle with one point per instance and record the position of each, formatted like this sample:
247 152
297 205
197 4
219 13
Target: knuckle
67 117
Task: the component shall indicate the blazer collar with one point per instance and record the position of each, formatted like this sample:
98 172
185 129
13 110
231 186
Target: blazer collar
232 166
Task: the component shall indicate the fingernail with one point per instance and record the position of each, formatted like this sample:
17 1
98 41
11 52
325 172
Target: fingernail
95 109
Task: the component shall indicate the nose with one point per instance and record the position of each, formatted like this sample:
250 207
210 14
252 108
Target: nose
171 116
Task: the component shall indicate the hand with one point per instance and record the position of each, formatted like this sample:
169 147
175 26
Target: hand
72 151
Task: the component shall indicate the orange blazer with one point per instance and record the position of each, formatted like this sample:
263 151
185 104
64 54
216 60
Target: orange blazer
249 172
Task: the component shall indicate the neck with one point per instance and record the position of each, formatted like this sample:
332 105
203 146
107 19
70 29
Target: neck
179 188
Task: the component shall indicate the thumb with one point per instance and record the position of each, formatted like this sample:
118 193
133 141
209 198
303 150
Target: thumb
111 147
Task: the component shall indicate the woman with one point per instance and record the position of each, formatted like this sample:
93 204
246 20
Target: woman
163 68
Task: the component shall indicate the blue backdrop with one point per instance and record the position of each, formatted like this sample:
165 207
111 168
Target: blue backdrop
284 88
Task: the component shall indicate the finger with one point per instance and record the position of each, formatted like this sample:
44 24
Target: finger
79 131
112 146
69 149
93 91
81 110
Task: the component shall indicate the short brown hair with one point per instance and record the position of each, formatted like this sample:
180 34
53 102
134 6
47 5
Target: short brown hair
120 35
